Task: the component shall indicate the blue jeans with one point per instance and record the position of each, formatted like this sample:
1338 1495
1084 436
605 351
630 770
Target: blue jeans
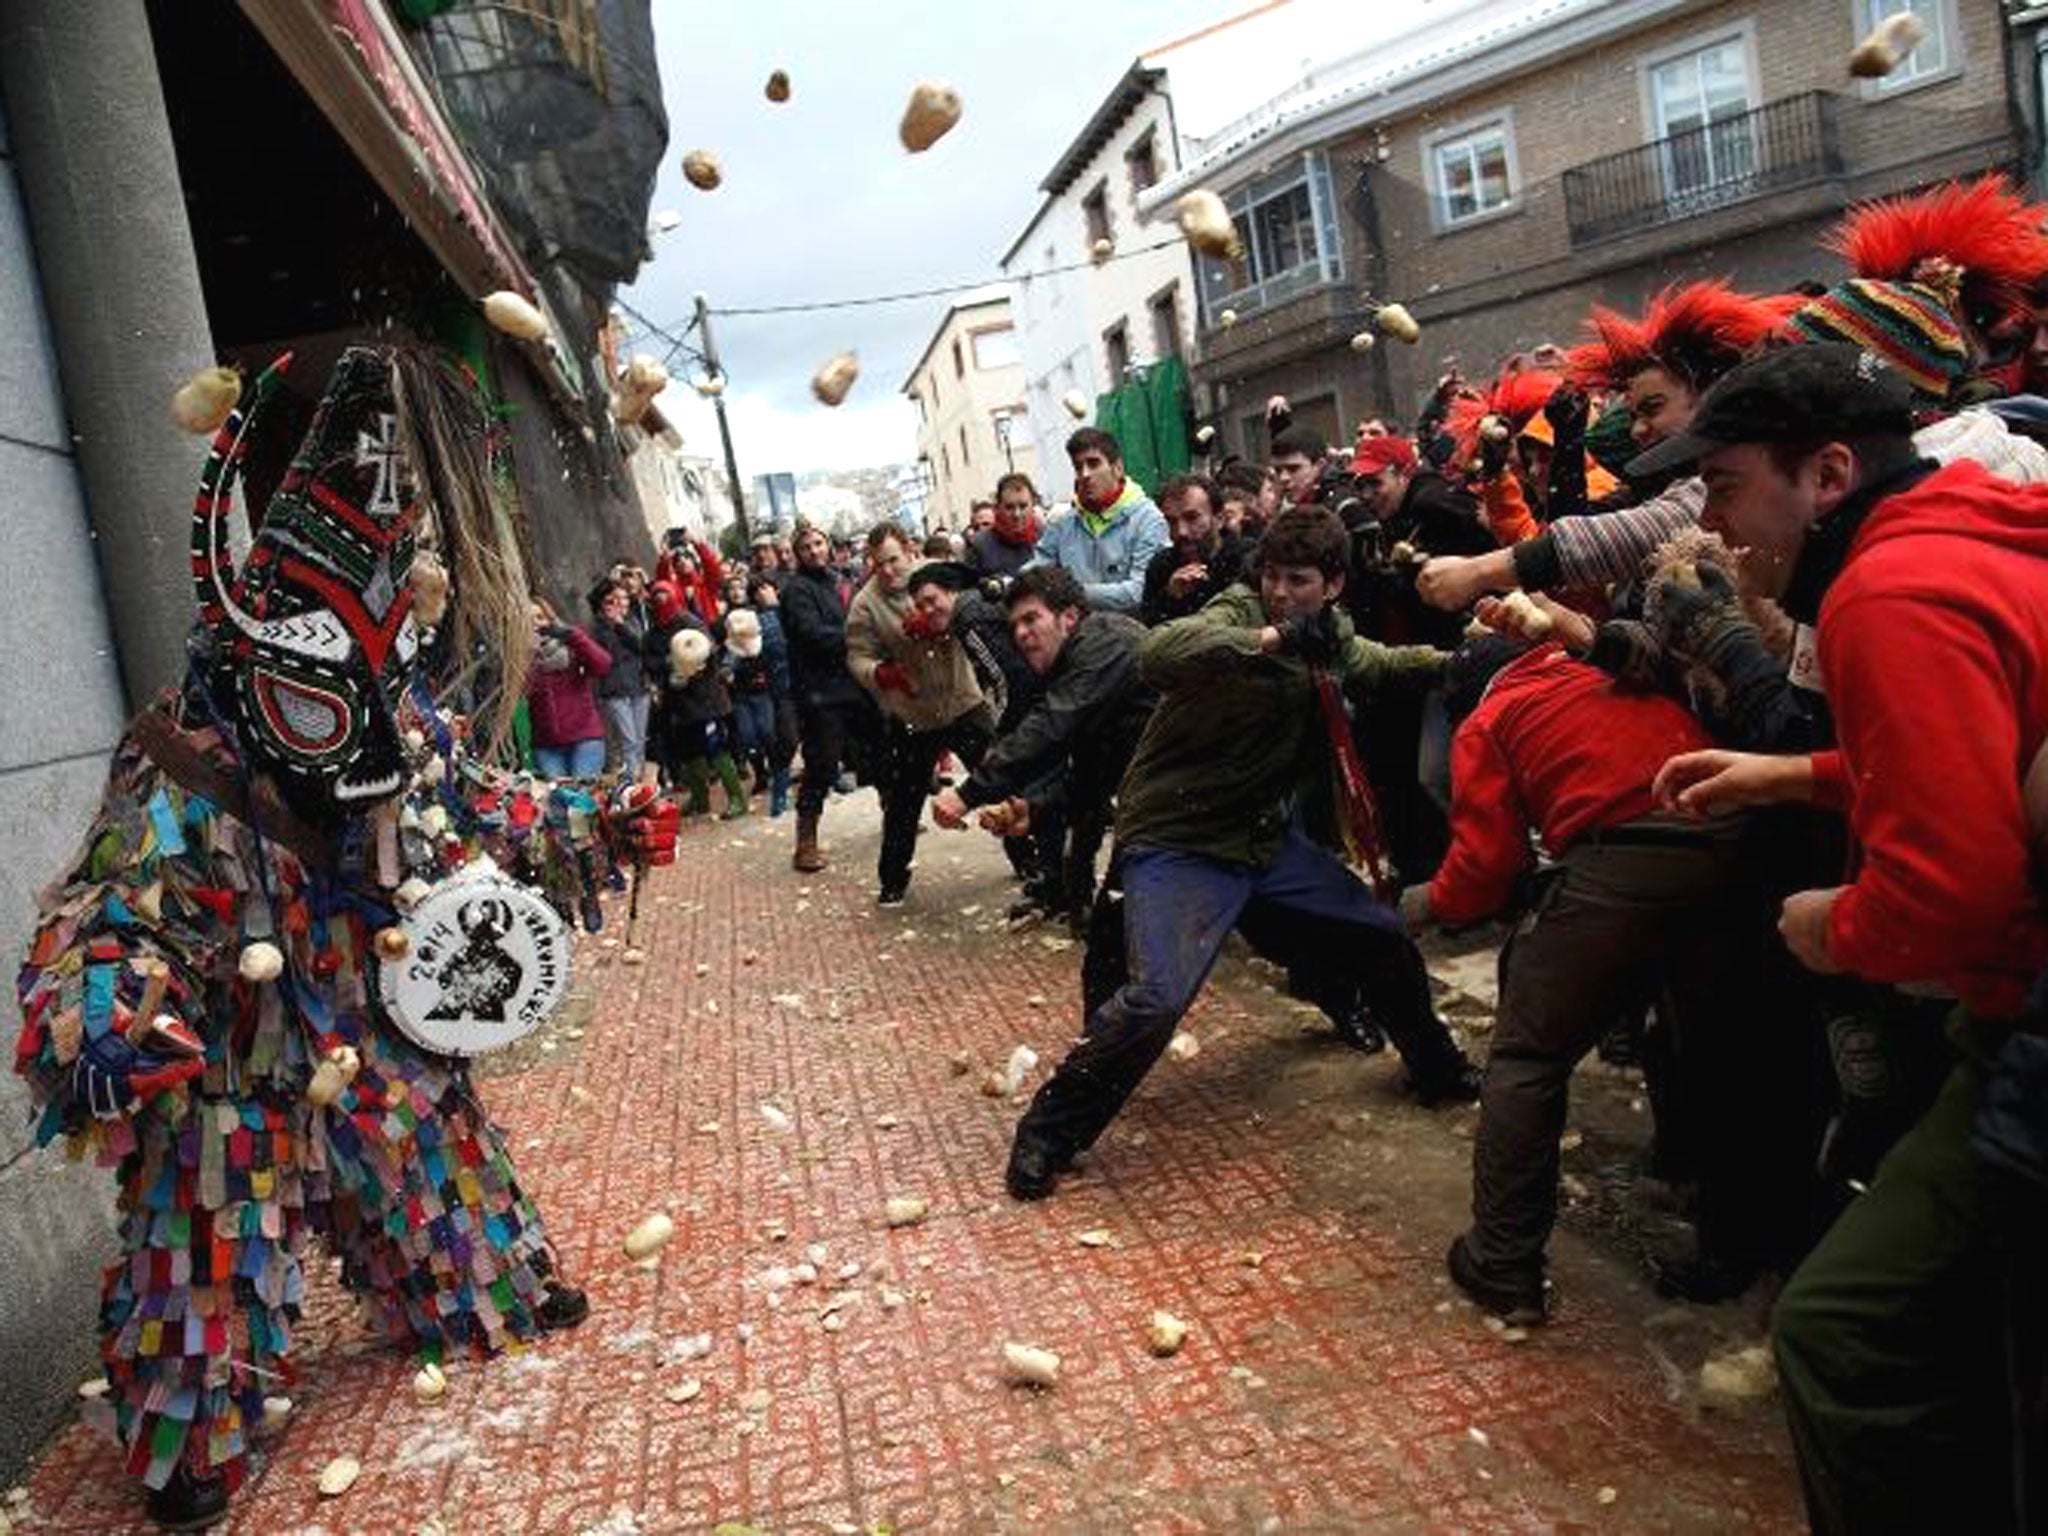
578 760
1178 908
626 719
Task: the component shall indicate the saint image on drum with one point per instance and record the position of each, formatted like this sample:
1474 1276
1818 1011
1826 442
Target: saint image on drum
482 978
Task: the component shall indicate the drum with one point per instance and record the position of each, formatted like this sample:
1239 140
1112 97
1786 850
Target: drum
487 962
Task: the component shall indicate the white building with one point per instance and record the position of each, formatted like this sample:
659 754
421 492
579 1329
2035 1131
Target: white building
677 489
1084 318
968 387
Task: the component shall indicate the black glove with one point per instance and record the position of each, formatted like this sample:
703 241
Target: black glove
1566 488
1698 621
1311 637
1567 409
1627 651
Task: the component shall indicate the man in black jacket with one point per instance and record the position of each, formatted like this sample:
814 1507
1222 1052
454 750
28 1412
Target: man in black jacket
829 702
1067 753
1202 559
948 598
1414 513
1404 512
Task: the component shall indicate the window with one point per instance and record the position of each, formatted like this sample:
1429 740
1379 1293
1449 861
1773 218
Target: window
1318 415
1116 343
1936 54
945 462
1142 160
959 364
1288 224
1700 103
1472 171
1165 307
964 459
1095 209
996 347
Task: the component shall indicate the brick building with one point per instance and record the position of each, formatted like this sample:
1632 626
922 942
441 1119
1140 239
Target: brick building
1499 176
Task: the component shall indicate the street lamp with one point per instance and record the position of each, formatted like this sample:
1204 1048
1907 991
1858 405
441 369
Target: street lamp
1003 420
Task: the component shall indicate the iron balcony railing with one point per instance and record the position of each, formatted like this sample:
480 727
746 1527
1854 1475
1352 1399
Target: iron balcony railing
1784 144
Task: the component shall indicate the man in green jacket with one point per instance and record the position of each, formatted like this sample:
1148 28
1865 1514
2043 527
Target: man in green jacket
1210 831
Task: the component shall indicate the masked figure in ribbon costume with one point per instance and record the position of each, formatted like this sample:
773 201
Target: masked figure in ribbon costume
201 998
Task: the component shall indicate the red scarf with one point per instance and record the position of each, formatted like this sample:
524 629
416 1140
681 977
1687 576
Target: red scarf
1358 818
1097 503
1018 534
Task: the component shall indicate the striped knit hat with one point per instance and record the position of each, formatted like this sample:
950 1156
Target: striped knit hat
1912 326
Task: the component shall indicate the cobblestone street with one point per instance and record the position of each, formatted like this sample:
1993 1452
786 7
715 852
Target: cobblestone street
783 1063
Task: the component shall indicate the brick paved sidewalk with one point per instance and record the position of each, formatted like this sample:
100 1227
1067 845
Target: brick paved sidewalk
785 1061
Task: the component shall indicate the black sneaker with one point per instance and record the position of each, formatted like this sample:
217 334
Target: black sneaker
188 1503
1034 1169
1519 1304
1355 1027
563 1307
891 895
1461 1086
1705 1279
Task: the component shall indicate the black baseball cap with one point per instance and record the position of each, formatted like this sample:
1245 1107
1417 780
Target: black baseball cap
1815 390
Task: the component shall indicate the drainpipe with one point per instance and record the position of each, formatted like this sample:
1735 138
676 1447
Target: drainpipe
1367 208
2026 113
120 283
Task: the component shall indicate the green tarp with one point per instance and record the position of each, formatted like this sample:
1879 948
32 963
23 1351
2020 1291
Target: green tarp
1149 416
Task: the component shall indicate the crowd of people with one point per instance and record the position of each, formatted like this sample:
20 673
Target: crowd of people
1707 651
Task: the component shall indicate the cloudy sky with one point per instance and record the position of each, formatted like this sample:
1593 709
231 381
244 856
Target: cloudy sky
820 201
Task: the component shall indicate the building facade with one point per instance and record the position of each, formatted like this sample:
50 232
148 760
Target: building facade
1086 316
676 488
1088 320
968 387
1499 179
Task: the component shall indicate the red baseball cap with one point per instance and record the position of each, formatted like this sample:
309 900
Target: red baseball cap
1374 454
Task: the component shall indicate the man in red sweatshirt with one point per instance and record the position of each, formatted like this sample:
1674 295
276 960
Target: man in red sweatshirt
1634 905
1910 1344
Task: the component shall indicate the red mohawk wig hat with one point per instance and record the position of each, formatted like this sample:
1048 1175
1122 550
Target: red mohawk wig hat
1981 234
1695 333
1517 397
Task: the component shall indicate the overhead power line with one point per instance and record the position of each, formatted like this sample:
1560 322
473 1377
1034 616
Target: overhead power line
868 301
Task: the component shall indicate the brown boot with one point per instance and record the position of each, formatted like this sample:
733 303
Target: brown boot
808 858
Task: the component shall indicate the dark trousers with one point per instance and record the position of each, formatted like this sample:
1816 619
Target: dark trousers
1888 1347
1911 1344
767 729
1615 924
1413 825
1177 909
905 783
822 727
